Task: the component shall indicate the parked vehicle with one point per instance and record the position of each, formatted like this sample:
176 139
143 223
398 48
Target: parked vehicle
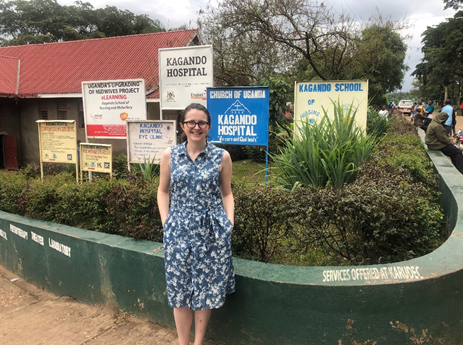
405 106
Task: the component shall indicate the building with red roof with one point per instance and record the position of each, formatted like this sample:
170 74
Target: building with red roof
44 81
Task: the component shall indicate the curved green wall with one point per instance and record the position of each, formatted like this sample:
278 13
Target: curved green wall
412 302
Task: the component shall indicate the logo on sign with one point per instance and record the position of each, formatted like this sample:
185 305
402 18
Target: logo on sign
96 117
69 157
106 165
202 96
170 96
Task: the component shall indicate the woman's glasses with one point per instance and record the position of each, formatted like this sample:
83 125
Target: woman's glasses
192 124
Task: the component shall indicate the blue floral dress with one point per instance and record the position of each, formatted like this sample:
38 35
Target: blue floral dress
197 232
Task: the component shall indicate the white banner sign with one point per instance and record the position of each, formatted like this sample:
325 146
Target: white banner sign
184 75
148 139
109 103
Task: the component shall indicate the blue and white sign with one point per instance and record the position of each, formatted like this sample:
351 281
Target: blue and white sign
239 115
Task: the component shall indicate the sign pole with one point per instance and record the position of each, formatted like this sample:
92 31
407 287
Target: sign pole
40 152
266 166
80 163
76 155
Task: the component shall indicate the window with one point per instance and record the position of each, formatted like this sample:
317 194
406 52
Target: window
43 110
80 112
62 111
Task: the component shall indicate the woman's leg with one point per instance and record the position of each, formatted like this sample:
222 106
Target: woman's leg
201 319
183 319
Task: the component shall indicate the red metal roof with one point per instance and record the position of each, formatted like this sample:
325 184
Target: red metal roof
8 74
61 67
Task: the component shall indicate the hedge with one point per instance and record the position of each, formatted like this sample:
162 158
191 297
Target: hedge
389 213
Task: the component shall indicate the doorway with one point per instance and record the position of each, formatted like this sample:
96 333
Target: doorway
8 152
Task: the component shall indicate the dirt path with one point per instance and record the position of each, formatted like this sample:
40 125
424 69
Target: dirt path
31 316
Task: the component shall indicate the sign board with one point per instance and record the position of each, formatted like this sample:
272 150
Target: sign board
184 75
58 141
311 97
239 115
109 103
146 140
96 158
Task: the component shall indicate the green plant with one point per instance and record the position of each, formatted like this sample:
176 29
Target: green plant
12 187
148 168
377 125
261 222
385 219
389 213
322 153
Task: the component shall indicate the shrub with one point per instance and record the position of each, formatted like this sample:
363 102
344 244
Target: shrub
328 152
377 125
11 191
261 222
389 213
370 221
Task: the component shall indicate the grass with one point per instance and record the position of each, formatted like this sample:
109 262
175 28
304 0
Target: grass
248 172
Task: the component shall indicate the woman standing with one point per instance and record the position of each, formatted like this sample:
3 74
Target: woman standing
197 224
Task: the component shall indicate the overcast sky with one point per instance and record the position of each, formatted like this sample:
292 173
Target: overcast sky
419 13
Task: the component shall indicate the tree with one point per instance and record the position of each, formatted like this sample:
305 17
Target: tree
300 39
455 4
41 21
442 64
281 93
280 32
380 58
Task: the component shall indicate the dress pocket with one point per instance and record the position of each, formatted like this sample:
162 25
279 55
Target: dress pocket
222 225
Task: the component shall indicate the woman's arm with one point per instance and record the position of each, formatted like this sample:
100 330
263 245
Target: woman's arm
164 185
225 185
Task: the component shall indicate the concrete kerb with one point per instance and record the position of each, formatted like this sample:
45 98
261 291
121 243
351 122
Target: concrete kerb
412 302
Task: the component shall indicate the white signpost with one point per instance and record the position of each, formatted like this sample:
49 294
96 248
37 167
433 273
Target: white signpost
108 104
146 140
184 75
310 98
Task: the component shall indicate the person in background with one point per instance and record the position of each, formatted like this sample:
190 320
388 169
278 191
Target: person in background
419 107
383 112
448 109
436 139
420 121
429 108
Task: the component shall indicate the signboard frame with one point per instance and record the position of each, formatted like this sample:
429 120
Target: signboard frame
96 169
61 142
114 106
179 59
148 133
316 95
241 115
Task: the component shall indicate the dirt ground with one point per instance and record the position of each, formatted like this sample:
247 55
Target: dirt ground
32 316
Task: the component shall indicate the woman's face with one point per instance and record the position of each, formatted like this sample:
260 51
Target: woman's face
197 133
